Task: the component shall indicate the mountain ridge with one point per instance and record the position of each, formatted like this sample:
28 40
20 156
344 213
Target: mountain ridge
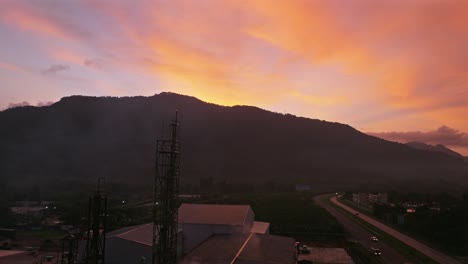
439 148
82 137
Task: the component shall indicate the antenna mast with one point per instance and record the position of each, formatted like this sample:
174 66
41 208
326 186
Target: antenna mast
96 235
166 195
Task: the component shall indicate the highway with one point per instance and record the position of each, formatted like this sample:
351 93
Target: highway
355 232
430 252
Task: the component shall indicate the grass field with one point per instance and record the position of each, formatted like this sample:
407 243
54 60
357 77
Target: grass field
291 214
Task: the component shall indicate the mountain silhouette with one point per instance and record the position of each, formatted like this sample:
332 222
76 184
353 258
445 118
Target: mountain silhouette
438 148
81 138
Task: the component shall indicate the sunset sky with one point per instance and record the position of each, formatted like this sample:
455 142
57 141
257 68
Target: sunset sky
381 66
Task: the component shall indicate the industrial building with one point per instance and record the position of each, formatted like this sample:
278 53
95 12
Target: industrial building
361 199
207 233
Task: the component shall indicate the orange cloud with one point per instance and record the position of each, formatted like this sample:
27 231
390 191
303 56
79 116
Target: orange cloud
29 21
375 64
394 45
67 56
320 100
203 74
309 29
11 67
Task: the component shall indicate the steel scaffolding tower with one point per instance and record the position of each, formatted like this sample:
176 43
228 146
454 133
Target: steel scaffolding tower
166 194
69 252
96 235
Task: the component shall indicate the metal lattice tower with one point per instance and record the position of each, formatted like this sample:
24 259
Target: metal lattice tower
96 235
166 194
69 252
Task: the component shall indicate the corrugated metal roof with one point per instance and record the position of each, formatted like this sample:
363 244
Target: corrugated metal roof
123 230
142 234
258 248
216 214
218 249
267 249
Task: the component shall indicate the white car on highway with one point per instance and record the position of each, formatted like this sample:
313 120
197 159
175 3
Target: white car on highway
376 251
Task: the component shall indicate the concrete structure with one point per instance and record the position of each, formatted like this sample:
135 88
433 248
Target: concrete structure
208 233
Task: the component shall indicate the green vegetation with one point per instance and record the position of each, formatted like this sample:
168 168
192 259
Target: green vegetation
129 216
407 251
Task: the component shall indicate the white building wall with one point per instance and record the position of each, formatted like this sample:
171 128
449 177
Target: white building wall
249 221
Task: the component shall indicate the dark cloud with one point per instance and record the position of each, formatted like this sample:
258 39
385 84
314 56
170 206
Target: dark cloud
41 104
95 63
443 135
13 105
26 103
54 69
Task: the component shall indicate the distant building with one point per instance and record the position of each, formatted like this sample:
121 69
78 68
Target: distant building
367 199
383 198
33 211
208 233
361 199
373 198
